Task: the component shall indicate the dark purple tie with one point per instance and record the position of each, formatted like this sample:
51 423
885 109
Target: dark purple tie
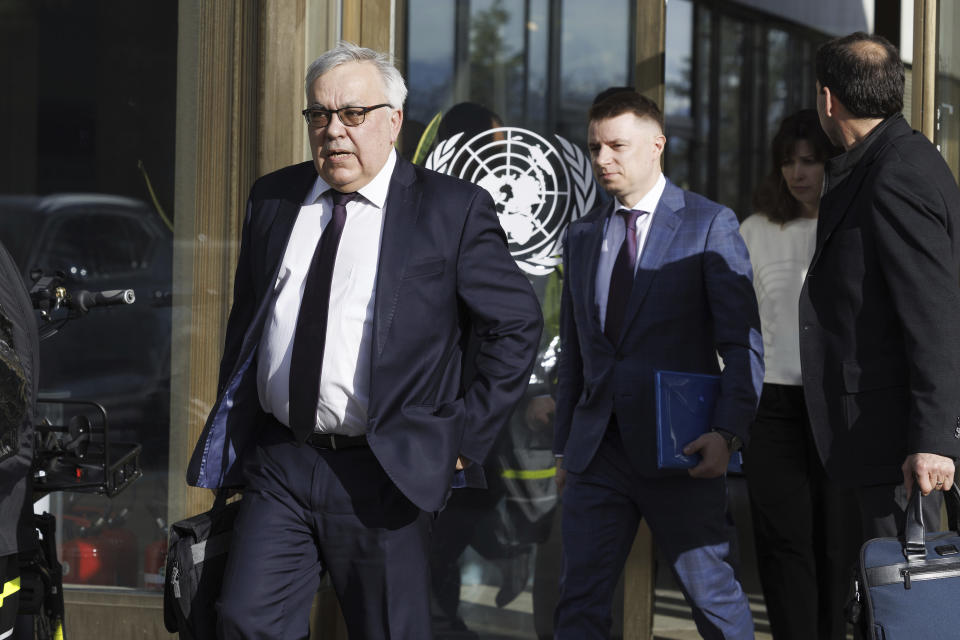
306 358
621 278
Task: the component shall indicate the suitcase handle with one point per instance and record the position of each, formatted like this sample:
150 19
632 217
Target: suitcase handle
914 541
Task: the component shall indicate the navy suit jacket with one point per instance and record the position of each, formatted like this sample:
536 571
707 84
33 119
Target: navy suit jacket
692 298
444 275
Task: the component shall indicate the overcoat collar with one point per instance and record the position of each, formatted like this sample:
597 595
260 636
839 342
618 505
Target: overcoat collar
837 202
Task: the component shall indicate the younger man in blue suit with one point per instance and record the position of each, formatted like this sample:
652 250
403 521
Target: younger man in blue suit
659 279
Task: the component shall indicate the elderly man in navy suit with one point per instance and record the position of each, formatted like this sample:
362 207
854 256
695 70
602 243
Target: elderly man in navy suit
342 409
658 279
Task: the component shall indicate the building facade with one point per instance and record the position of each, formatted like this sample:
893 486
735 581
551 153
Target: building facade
170 110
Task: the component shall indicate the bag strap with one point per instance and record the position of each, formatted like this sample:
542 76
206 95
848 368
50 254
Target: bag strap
914 531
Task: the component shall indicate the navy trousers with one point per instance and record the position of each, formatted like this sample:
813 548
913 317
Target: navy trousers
307 511
602 508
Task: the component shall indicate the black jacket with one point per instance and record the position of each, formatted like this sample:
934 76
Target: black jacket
879 310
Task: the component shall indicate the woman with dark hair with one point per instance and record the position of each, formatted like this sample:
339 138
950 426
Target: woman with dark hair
805 528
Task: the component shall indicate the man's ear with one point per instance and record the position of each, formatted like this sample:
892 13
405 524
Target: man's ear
659 142
396 121
828 104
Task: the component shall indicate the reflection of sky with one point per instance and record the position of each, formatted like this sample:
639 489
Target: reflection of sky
429 56
594 50
678 55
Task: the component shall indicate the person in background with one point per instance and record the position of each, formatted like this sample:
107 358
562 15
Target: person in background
803 529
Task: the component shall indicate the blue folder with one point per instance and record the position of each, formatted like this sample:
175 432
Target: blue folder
685 403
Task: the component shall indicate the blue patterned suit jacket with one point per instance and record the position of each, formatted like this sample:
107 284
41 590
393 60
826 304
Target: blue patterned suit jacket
692 298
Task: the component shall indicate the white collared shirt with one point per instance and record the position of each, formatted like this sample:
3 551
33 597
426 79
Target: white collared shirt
345 377
613 236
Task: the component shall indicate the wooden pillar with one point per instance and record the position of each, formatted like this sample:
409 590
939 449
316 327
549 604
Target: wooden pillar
639 575
218 93
924 109
370 23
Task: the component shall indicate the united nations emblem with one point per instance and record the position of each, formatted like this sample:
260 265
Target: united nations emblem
538 187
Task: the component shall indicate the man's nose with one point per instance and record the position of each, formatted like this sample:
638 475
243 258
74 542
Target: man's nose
335 128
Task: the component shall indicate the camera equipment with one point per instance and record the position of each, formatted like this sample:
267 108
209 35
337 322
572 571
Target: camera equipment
73 451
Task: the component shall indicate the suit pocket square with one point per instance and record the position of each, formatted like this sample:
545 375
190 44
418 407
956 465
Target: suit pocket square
424 268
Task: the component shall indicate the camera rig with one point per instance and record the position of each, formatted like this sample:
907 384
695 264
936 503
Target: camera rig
73 451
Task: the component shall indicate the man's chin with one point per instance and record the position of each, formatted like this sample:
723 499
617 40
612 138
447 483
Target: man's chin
339 178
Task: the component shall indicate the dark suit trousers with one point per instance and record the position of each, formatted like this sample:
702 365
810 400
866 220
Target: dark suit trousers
602 508
306 511
806 529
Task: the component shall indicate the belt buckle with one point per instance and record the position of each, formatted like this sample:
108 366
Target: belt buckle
333 441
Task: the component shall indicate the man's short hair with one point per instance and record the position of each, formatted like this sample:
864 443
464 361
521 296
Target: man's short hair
864 72
394 88
617 101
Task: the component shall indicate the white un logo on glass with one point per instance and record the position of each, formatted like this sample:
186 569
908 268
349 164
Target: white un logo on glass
538 187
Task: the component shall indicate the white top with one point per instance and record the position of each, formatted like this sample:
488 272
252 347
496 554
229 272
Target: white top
345 376
780 255
613 238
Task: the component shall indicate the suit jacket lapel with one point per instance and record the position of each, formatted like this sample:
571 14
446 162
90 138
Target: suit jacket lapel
663 227
593 235
285 214
399 224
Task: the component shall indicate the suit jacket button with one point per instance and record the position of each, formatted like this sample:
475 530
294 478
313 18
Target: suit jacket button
619 357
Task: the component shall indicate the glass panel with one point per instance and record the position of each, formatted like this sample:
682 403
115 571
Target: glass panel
537 64
947 87
748 70
729 150
89 109
678 80
430 61
594 55
703 90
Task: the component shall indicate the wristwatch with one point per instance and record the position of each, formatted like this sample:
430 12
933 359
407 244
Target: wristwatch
734 442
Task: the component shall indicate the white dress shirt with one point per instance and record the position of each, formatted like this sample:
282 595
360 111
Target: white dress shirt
613 237
345 376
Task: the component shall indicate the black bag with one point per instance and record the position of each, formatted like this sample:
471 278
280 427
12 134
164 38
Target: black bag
912 585
196 559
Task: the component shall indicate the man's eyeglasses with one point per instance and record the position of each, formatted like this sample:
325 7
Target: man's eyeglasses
349 116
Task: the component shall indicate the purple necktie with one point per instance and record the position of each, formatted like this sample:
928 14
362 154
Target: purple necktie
621 278
306 358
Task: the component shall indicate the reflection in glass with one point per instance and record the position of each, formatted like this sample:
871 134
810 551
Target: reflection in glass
701 154
594 54
430 58
679 89
947 87
677 70
85 142
729 139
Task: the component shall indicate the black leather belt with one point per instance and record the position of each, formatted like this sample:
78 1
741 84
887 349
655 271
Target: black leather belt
336 441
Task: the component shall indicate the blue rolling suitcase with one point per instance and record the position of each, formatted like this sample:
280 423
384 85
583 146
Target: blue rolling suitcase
911 586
